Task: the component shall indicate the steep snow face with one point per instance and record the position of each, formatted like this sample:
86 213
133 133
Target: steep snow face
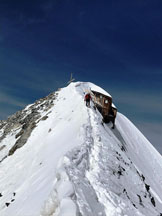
71 164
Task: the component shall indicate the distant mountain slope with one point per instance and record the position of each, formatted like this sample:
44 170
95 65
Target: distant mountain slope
59 159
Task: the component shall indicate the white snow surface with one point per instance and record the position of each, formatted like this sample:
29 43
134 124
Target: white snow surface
74 165
93 87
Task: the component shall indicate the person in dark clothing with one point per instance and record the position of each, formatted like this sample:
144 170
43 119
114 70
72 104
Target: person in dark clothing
87 99
112 116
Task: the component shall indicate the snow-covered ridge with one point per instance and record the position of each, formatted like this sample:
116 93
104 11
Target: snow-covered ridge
68 163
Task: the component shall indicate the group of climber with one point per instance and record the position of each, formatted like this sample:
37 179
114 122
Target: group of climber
88 98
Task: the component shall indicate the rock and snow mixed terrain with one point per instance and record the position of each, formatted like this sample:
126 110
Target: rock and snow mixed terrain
57 158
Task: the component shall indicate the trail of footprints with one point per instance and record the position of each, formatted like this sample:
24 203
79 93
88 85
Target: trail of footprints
12 199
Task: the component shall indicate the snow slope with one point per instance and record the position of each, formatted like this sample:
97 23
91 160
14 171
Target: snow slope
74 165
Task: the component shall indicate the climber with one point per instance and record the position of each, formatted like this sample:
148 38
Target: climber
112 117
87 99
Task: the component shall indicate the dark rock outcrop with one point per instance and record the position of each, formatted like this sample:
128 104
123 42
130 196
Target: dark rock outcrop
25 121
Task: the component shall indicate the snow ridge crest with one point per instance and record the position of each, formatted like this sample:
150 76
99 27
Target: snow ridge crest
58 158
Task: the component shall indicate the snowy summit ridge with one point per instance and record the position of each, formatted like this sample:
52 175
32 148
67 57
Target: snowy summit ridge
57 158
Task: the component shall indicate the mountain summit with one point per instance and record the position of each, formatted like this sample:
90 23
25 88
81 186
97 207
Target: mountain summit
58 158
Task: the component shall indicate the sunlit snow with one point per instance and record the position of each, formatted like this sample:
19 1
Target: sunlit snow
74 165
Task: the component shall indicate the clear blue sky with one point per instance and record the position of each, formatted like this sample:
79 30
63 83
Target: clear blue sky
116 44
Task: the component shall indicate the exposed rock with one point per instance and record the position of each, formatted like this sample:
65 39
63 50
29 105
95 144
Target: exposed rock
2 147
25 121
23 138
147 187
140 200
44 118
153 201
2 123
19 134
7 204
3 158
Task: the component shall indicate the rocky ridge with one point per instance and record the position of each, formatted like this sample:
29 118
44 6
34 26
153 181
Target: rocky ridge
22 123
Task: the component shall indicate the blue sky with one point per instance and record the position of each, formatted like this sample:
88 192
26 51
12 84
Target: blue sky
116 44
